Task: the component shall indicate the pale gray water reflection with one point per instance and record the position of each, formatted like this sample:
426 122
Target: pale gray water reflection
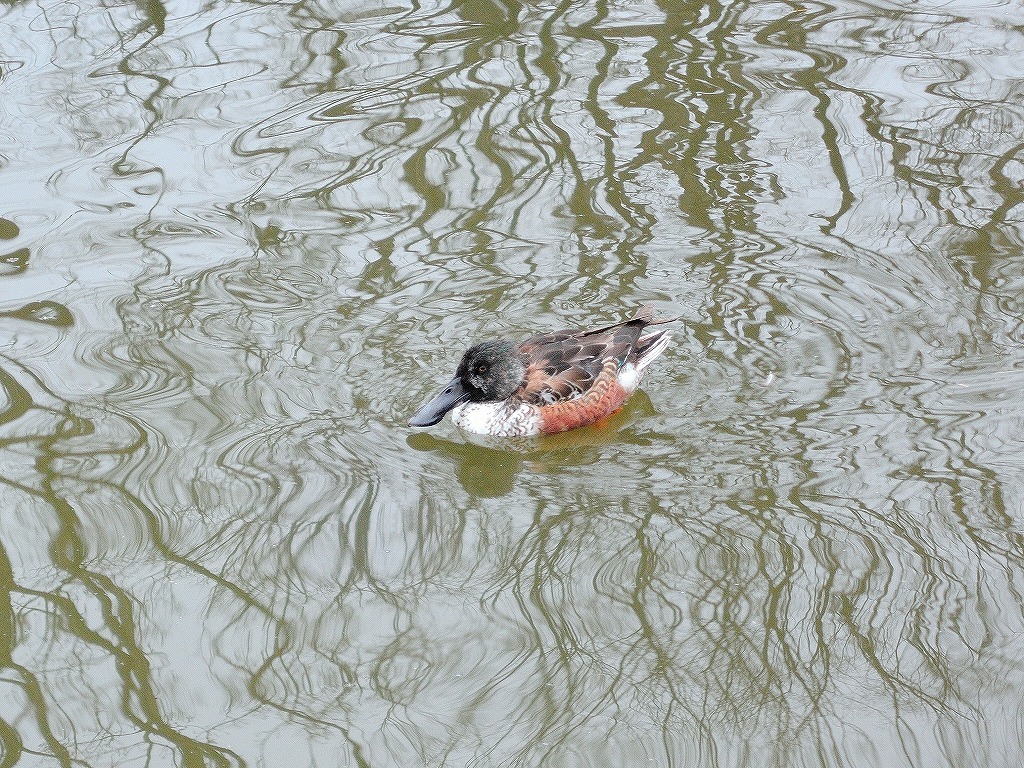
242 242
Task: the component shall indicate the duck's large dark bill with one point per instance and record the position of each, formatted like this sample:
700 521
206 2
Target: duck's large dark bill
434 411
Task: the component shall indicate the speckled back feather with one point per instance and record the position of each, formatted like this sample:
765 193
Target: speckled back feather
565 364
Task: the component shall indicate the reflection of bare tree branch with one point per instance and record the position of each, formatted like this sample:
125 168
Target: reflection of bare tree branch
320 199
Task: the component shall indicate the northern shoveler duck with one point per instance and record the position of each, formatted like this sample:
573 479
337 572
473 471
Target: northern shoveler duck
549 383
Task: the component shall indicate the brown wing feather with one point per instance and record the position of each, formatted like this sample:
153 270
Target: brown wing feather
565 364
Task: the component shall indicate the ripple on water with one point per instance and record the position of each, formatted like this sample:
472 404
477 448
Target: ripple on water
8 229
15 262
807 525
46 312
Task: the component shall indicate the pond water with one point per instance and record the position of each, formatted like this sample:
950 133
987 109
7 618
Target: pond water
241 242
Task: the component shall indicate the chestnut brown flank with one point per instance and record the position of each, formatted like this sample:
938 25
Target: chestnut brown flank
604 398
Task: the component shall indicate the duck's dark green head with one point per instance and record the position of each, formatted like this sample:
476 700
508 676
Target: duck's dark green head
489 371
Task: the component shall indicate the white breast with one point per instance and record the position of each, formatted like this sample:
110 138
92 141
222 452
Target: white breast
497 419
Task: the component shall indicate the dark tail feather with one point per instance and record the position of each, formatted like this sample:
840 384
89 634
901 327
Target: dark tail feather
646 315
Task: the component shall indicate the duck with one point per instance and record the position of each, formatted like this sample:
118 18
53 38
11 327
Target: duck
549 383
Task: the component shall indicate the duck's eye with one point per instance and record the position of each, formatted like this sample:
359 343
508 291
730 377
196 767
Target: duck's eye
481 369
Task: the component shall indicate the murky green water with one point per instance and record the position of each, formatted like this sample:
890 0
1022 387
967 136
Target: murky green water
241 244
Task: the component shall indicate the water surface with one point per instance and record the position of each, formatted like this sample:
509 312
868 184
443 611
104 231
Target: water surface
239 245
